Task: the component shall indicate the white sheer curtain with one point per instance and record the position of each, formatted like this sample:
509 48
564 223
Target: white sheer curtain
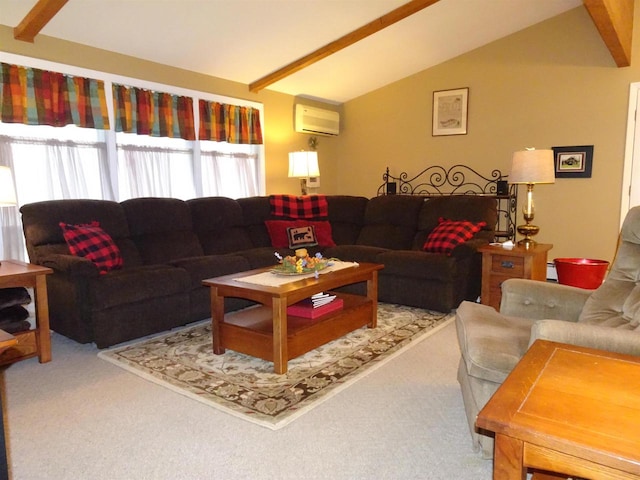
229 174
155 172
50 169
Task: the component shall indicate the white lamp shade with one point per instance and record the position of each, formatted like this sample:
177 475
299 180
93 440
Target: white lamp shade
532 166
7 190
303 164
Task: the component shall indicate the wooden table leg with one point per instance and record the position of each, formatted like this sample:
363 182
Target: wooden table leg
372 294
280 346
43 332
217 317
507 459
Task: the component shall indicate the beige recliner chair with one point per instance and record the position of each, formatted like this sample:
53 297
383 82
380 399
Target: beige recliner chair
491 343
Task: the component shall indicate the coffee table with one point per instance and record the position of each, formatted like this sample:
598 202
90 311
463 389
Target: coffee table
267 331
567 409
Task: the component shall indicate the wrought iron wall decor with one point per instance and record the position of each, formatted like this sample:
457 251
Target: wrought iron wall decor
436 181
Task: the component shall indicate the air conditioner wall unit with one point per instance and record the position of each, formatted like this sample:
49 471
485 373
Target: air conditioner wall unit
317 121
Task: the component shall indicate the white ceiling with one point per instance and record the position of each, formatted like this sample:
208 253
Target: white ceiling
244 40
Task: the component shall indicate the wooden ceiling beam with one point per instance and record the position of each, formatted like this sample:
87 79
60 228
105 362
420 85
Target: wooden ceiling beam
343 42
36 19
614 21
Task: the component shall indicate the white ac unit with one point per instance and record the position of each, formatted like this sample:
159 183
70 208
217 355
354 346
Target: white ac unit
317 121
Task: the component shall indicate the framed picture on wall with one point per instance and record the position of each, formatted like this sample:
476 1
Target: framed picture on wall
573 162
450 112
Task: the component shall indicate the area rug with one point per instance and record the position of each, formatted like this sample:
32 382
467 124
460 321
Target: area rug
247 387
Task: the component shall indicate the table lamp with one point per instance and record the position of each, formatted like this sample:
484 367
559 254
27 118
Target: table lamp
7 190
303 165
529 167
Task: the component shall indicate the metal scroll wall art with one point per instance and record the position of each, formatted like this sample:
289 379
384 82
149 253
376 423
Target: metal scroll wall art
437 181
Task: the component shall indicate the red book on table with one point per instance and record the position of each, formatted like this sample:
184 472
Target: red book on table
305 308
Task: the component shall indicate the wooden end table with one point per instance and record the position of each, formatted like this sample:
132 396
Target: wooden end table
267 332
500 264
567 409
36 342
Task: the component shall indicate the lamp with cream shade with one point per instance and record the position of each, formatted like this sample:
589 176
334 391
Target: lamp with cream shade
529 167
303 165
7 190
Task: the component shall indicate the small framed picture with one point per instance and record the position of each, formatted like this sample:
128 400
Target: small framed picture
450 112
573 162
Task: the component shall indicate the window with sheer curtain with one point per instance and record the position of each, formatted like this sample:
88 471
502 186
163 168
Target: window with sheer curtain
153 152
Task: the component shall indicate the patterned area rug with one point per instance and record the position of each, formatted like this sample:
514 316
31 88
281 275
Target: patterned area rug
248 388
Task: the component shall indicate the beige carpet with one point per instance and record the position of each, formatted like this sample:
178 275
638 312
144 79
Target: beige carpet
246 387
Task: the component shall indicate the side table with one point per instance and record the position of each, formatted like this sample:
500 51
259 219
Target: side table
500 264
35 342
570 410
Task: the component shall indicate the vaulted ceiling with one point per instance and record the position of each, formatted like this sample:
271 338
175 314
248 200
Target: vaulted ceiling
346 47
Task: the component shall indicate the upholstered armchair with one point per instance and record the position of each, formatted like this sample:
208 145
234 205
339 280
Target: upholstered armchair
492 343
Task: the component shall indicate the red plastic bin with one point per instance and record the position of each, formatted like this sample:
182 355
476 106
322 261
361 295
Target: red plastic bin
581 272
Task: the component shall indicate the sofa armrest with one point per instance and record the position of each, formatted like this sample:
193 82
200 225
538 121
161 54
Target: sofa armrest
542 300
71 265
468 248
585 335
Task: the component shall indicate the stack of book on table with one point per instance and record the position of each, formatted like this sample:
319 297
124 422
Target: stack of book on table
316 306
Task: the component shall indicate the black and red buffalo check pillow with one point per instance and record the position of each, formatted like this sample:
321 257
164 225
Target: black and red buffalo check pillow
449 234
92 242
307 206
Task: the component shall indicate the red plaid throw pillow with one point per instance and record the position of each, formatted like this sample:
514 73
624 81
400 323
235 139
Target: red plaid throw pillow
92 242
449 234
307 206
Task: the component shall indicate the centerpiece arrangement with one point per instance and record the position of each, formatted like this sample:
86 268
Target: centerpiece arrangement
300 264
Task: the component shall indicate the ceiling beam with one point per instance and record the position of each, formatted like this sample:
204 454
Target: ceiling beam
343 42
36 19
614 21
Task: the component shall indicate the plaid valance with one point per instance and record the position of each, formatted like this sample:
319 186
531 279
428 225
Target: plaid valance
157 114
307 206
220 122
39 97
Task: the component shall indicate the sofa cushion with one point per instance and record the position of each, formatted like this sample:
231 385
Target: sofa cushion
418 265
346 215
449 234
255 210
390 221
133 285
210 266
306 206
219 225
92 242
491 344
162 229
355 253
278 231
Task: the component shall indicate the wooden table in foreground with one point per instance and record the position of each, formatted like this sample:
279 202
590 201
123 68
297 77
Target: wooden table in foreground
267 332
14 273
570 410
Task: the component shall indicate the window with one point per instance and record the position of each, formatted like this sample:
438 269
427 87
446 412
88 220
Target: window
70 162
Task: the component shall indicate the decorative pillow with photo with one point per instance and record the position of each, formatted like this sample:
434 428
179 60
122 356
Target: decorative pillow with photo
280 238
302 237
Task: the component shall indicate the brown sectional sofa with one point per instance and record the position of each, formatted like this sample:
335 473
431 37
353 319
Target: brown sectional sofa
169 246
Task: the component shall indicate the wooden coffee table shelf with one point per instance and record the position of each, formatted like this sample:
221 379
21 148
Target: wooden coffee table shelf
267 332
251 331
